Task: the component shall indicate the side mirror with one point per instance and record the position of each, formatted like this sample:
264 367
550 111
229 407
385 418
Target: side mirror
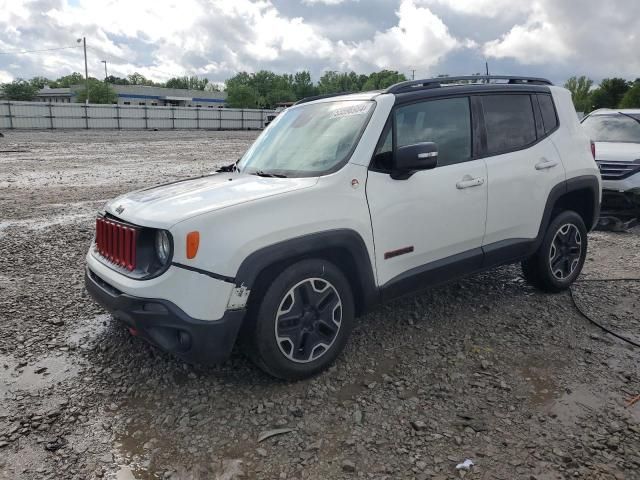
411 158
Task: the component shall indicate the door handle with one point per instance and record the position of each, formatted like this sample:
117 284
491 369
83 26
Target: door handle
544 164
468 182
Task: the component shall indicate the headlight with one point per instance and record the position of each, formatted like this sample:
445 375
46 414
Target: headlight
163 246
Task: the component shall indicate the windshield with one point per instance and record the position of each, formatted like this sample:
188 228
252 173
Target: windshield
616 127
309 140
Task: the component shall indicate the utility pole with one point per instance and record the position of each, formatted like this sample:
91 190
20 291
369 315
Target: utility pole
86 70
486 66
413 74
105 70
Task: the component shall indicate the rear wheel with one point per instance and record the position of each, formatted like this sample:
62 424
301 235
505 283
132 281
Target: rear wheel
561 255
302 322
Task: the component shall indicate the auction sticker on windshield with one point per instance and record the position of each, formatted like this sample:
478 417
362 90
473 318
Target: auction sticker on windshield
358 109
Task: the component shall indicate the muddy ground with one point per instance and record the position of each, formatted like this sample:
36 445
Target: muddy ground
486 369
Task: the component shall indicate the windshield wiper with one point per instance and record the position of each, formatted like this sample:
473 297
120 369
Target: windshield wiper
261 173
228 168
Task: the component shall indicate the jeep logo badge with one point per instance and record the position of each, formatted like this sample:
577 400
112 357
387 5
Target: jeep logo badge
119 209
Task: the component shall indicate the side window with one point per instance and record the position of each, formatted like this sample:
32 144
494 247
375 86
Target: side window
509 122
445 122
383 156
548 110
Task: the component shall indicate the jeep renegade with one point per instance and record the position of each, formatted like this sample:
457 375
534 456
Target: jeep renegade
346 201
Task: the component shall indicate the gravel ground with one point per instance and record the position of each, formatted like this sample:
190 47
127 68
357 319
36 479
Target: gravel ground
486 369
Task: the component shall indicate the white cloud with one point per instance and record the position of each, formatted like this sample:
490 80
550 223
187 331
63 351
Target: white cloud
484 8
218 38
538 41
5 76
326 2
594 37
419 39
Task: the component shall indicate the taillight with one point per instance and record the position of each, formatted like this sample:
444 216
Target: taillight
593 150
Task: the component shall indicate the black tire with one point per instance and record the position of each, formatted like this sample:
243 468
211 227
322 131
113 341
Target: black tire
268 318
556 264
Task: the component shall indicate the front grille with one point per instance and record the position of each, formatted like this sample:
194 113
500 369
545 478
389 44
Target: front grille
116 242
610 170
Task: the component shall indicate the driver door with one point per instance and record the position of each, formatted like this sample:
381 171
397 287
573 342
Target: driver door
429 227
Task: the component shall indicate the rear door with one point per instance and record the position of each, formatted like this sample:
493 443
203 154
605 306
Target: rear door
523 166
435 214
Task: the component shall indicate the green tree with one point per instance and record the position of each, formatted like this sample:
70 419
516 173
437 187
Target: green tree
19 89
339 82
580 88
303 85
188 83
69 80
242 96
383 79
212 87
138 79
40 82
263 89
631 98
99 92
117 80
609 93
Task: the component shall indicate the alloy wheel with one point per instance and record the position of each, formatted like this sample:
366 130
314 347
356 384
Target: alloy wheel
308 320
565 252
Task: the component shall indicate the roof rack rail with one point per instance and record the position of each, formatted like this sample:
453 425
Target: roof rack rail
437 82
319 97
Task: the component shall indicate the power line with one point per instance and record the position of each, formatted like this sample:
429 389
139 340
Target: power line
42 50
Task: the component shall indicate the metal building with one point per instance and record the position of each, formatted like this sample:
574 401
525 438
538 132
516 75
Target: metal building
142 95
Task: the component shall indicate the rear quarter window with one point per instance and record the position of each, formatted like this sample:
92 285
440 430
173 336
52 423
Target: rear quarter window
509 122
548 110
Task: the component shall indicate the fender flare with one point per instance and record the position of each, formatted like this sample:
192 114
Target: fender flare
589 182
307 246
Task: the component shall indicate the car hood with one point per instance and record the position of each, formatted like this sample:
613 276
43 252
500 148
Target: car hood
165 205
620 152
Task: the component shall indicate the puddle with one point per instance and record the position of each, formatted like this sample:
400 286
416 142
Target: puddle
47 371
543 387
87 331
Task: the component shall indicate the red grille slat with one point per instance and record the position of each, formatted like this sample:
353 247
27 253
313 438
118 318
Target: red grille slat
100 228
134 239
121 246
127 247
116 242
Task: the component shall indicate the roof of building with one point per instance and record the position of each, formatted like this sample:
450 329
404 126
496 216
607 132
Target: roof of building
167 93
143 91
54 91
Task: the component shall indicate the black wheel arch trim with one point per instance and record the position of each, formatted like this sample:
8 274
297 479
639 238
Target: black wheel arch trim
306 246
217 276
589 182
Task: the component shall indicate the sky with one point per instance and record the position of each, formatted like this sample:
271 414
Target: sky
216 39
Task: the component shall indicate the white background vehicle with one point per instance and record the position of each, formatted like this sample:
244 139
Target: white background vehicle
344 202
616 134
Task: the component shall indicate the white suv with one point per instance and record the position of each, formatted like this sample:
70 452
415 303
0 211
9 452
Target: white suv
346 201
616 134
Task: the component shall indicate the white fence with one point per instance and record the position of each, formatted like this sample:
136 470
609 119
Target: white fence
36 115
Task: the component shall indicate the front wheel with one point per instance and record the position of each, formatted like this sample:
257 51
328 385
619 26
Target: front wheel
561 255
302 322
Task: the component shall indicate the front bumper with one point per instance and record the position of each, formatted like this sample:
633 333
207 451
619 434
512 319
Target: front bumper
165 325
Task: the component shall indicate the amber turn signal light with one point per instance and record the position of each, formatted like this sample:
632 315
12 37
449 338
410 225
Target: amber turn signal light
193 242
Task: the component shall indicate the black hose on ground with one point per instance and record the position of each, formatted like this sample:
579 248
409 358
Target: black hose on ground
597 324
